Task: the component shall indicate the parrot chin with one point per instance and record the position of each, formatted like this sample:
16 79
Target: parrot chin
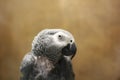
69 50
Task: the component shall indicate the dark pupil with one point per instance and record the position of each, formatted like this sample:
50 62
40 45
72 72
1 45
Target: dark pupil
59 35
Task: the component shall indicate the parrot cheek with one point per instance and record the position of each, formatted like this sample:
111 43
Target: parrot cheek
70 49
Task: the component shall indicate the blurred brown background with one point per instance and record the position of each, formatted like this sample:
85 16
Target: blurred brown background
95 25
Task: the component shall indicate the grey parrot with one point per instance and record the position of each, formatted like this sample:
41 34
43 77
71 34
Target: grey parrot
50 56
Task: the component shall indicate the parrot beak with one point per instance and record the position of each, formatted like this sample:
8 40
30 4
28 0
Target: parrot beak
69 50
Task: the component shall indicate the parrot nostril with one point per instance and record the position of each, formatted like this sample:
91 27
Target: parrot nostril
70 40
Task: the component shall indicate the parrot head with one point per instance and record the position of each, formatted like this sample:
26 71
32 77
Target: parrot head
54 43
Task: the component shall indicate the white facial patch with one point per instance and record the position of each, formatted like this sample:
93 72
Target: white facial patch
62 39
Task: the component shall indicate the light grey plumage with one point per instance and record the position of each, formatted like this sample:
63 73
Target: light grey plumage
50 56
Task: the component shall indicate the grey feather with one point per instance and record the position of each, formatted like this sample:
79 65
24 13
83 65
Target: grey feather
50 56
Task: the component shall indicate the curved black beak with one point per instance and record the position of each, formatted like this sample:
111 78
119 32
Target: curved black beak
69 50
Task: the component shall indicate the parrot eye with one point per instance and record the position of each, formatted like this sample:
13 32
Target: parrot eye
59 36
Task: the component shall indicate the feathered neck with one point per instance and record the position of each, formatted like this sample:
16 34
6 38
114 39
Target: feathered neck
52 57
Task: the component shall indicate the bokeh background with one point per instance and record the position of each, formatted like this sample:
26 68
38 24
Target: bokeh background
95 25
